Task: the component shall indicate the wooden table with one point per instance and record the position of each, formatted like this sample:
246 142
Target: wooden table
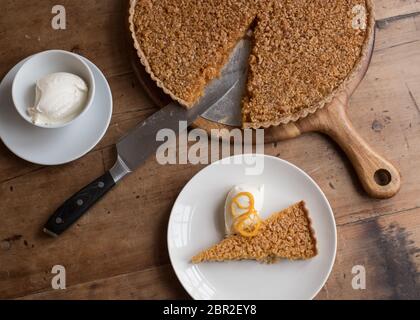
118 250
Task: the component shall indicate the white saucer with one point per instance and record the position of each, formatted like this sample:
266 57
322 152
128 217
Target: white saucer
196 223
60 145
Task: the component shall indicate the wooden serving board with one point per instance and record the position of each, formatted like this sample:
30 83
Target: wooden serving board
379 178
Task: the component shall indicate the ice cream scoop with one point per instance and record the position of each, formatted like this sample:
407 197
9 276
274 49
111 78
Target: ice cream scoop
59 98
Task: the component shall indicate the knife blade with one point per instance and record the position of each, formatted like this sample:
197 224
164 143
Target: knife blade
228 111
134 149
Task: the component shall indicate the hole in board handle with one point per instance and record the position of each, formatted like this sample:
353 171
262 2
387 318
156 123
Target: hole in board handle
383 177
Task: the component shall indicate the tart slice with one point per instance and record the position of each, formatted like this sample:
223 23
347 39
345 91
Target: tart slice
285 235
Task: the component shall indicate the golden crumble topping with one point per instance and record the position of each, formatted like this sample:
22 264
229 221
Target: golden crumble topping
285 235
187 42
303 50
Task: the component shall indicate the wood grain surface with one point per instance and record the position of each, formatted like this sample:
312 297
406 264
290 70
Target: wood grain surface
118 250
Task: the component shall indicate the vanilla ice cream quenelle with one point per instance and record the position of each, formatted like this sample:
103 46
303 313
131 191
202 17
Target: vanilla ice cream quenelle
241 194
59 98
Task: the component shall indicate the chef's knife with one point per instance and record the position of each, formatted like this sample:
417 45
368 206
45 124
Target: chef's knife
134 149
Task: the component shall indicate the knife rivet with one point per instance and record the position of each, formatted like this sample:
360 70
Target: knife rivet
79 202
59 220
101 184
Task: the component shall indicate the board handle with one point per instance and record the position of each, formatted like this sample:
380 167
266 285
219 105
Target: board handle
378 176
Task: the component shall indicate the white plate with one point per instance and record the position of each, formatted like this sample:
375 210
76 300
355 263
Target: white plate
196 223
48 146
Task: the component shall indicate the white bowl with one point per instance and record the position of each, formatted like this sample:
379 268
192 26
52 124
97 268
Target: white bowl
40 65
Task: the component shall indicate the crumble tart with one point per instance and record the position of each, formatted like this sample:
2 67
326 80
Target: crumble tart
303 50
285 235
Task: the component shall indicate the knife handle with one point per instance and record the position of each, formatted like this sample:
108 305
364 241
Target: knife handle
78 204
